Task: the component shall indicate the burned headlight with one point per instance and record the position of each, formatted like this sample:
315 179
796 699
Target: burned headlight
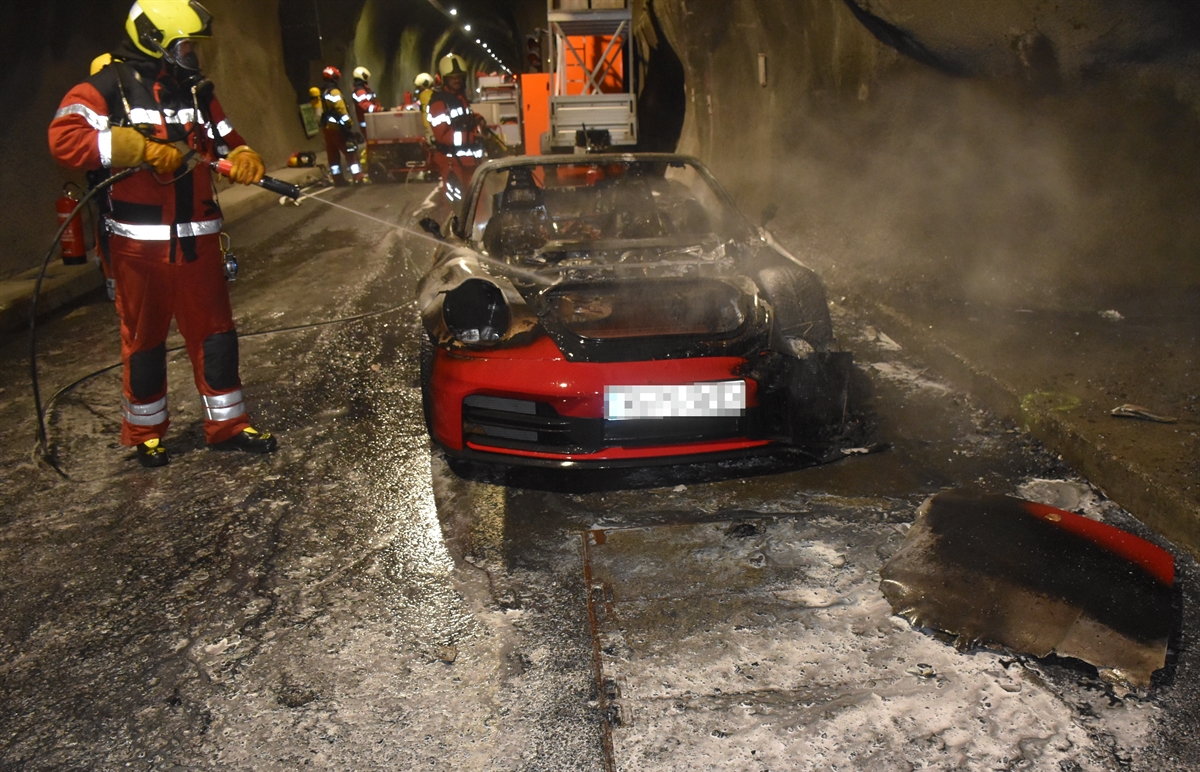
476 313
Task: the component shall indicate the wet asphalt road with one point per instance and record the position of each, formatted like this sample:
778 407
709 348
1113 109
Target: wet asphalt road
354 602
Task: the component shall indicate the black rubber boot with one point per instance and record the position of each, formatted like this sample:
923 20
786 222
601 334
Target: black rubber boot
248 440
151 453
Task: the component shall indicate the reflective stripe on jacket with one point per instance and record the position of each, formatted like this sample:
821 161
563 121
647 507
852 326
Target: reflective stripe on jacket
455 126
333 108
365 101
183 206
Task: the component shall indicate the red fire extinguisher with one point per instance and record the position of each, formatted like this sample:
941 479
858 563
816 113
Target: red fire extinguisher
74 251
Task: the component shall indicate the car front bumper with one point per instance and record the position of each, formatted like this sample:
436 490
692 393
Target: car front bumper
531 405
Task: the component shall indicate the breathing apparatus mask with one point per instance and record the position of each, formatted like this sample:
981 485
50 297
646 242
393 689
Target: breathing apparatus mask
182 63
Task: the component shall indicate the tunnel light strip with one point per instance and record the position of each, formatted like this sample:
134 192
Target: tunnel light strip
453 15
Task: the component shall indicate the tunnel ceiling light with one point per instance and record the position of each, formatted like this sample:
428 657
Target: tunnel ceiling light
467 27
454 12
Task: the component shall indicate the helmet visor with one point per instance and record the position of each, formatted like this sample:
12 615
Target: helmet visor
185 53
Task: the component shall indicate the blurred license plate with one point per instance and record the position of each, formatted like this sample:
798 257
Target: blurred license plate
693 400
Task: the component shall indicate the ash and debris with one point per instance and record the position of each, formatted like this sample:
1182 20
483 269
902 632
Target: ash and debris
355 601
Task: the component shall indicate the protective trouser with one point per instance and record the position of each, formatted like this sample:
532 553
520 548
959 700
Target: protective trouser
456 174
149 293
335 148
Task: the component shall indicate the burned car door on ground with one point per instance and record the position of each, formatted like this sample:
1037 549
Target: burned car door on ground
569 279
1035 579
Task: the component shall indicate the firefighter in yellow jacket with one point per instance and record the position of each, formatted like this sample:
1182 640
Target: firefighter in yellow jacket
338 128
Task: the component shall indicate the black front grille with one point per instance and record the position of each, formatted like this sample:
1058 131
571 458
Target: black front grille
536 426
494 420
671 431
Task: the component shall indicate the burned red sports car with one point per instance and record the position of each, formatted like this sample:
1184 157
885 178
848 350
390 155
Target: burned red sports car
616 310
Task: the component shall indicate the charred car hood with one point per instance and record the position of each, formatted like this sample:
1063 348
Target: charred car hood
637 301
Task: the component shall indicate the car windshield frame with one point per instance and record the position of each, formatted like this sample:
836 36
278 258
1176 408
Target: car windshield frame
736 224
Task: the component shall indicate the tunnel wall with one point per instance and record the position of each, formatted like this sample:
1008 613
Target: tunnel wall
1035 153
46 50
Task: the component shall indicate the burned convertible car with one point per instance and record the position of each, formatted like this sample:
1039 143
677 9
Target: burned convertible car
617 310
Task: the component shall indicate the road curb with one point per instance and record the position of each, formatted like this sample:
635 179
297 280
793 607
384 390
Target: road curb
63 284
1162 509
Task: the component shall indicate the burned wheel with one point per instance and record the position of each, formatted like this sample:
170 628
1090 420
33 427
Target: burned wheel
801 309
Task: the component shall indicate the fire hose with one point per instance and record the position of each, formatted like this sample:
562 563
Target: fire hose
223 167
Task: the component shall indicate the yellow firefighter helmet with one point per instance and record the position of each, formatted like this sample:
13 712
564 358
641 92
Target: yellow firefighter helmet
362 73
153 25
423 81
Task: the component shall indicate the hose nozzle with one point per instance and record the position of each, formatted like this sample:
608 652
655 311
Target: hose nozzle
279 187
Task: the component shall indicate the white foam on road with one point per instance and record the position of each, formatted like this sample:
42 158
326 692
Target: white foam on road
778 651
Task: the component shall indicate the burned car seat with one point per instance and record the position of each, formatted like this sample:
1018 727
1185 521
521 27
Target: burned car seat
521 224
632 212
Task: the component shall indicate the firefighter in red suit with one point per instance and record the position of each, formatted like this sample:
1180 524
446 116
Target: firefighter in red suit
152 109
458 143
365 98
338 128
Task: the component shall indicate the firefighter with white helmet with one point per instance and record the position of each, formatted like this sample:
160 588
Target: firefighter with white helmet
457 139
365 98
152 108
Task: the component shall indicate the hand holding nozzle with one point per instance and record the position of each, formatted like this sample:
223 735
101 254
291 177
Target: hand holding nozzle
246 166
226 168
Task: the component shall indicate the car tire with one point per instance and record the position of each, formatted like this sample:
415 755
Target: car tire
801 308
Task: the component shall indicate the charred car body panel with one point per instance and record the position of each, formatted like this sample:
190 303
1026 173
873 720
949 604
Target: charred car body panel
566 282
1036 579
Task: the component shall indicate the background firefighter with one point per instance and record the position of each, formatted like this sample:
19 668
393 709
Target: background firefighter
338 128
424 86
365 98
458 143
153 106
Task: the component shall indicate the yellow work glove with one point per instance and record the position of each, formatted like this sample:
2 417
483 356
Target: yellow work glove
162 157
248 166
128 147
